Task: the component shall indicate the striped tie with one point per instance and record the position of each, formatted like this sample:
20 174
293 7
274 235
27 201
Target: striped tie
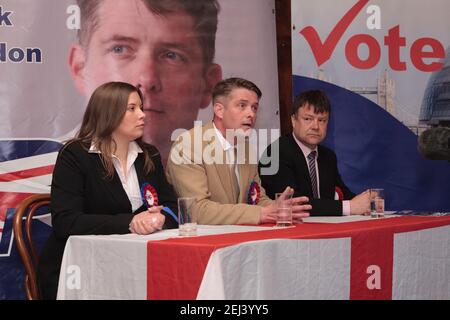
312 173
234 176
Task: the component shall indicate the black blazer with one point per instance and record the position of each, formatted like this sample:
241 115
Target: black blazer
293 171
83 202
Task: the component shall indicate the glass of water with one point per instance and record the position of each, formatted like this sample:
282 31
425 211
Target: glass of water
377 203
187 224
284 209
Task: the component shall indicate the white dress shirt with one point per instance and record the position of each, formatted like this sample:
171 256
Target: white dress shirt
229 149
130 182
306 151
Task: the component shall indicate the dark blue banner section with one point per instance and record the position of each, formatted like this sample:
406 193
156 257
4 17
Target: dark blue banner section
375 150
12 272
26 169
18 149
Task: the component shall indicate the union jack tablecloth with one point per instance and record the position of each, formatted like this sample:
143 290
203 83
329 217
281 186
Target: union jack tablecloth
391 258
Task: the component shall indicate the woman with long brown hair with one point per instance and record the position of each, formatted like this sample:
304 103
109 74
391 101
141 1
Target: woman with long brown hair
106 180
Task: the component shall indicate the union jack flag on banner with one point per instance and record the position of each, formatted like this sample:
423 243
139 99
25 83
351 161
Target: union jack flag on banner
26 168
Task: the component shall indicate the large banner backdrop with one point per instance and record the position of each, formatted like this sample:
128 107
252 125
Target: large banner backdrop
46 77
385 66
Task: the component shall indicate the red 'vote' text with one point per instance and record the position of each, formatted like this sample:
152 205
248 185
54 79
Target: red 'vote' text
419 50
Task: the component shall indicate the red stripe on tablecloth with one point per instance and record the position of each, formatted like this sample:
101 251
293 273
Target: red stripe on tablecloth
175 266
371 265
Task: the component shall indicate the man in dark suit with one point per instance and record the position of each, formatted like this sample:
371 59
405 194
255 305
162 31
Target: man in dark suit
306 166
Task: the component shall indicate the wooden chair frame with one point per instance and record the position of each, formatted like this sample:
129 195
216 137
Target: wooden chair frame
24 243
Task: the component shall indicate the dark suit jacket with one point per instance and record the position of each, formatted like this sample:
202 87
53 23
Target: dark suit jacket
293 171
83 202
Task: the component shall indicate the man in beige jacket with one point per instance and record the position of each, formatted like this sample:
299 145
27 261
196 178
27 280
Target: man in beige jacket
214 164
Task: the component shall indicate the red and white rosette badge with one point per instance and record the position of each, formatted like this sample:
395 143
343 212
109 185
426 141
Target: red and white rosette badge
339 194
149 195
254 193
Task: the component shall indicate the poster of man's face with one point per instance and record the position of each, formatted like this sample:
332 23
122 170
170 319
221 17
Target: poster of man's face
173 51
163 53
55 53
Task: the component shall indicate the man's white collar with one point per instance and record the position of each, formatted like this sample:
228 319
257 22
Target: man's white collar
305 149
226 145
